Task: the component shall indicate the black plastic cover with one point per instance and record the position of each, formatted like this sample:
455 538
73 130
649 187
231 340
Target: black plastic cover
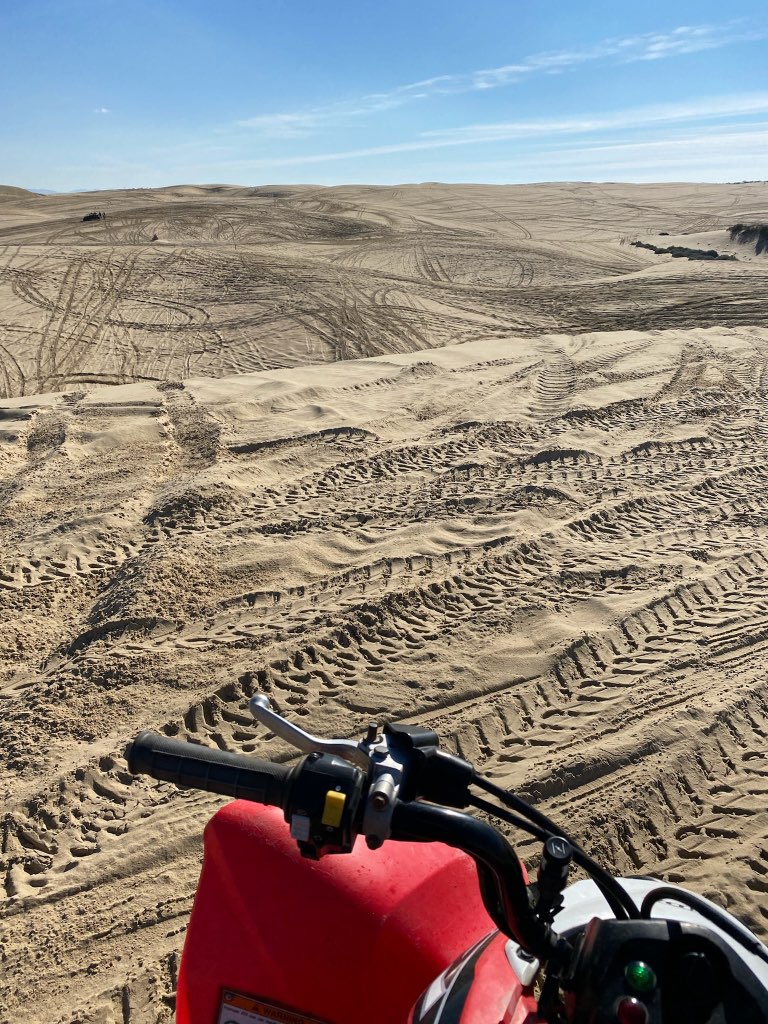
700 979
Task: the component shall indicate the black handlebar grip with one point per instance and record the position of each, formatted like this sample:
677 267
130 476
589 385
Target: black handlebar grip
215 771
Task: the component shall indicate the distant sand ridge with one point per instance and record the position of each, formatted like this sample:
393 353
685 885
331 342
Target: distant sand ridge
547 541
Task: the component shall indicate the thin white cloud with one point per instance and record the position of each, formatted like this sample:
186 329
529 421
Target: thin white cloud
749 104
717 155
694 39
102 110
707 145
285 126
306 122
740 105
649 46
694 153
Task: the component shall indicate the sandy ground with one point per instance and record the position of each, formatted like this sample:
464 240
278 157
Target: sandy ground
531 514
251 279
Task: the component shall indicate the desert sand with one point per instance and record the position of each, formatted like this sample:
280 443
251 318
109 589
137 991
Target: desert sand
455 455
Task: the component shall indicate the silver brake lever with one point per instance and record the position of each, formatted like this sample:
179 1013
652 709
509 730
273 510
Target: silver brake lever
262 712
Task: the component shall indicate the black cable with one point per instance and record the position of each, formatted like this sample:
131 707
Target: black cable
713 914
619 900
615 896
519 805
513 819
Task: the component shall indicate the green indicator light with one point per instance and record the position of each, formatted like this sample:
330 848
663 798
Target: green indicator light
640 976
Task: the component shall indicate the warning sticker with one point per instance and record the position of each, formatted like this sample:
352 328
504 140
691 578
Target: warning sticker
237 1008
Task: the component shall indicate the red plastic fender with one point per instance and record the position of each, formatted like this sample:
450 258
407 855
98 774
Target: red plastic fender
349 938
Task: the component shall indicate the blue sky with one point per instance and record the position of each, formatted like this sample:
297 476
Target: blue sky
108 94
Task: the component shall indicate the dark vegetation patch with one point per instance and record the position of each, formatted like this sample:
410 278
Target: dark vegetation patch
682 251
751 234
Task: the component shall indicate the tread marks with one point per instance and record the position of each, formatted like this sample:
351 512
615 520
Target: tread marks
554 387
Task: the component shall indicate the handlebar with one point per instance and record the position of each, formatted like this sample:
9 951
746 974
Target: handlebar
502 883
215 771
302 792
395 786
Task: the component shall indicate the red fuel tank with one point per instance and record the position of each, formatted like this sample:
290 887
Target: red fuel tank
274 937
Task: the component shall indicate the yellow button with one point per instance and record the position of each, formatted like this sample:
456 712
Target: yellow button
334 808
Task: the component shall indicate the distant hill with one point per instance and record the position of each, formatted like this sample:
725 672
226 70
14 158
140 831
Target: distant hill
19 193
12 192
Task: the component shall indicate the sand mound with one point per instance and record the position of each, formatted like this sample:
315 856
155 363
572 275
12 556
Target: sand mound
550 550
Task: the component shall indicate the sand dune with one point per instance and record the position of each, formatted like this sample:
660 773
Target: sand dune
250 279
548 545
